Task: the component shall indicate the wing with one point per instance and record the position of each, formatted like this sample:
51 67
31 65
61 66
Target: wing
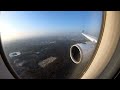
91 38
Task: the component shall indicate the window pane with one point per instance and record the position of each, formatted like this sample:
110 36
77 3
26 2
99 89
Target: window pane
37 43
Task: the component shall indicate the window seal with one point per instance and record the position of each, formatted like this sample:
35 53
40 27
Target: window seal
7 64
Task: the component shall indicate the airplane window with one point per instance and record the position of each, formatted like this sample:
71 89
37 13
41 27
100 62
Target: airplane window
49 44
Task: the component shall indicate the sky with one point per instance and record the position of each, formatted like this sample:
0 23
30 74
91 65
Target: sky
13 24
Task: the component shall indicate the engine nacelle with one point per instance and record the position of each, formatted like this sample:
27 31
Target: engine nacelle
81 51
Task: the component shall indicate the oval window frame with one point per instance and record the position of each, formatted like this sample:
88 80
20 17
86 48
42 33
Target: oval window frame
16 76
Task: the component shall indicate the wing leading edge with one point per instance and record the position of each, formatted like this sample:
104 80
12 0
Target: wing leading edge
91 38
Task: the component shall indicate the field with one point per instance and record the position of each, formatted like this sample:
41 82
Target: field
36 50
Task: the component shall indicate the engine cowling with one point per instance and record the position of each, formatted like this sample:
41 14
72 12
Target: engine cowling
81 51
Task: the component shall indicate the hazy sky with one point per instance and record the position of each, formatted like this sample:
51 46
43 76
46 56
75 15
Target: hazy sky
50 21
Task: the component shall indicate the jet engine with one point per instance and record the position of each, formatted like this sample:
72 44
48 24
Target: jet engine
81 51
